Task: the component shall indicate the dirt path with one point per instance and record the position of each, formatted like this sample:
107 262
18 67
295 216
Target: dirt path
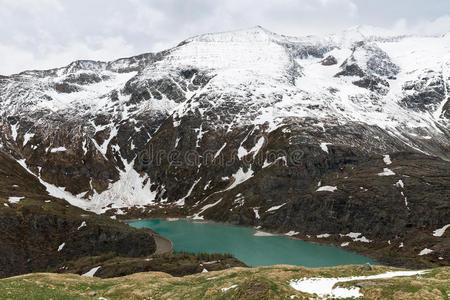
163 245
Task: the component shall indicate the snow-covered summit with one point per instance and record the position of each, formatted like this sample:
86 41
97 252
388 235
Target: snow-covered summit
364 74
253 34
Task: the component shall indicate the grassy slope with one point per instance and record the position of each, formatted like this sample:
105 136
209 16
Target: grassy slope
256 283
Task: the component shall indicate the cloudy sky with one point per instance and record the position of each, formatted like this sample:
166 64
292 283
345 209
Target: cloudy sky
39 34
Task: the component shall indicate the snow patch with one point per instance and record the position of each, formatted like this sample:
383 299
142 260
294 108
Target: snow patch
291 233
326 188
255 210
386 172
425 251
91 272
15 199
239 177
130 190
14 131
61 247
324 147
323 236
229 288
83 224
387 159
59 149
197 215
356 237
273 208
440 232
326 287
27 137
400 184
263 233
182 200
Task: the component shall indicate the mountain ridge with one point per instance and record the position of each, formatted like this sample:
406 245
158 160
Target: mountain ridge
228 126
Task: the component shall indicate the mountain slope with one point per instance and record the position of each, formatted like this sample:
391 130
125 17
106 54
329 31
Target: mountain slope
39 232
336 134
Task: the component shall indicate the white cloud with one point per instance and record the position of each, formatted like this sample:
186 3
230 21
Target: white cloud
437 26
14 59
440 25
32 6
51 33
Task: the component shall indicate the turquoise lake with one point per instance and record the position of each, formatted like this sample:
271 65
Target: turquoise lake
253 250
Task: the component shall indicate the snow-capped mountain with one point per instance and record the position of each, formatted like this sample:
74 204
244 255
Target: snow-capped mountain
249 127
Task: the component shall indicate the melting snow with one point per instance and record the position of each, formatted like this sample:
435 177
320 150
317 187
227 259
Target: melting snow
324 147
61 246
239 177
131 189
59 149
220 150
425 251
259 144
197 215
228 288
181 201
14 131
27 137
83 224
255 210
291 233
326 188
91 272
440 232
355 236
323 235
15 199
263 233
326 287
400 184
387 159
386 172
275 207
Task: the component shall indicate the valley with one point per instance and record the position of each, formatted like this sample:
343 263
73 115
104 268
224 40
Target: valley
341 142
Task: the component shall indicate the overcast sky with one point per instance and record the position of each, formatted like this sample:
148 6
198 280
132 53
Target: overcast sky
39 34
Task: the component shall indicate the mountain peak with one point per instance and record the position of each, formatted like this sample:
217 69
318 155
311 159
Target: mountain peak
252 34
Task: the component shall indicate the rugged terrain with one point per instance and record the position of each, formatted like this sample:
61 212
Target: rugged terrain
237 283
341 139
38 232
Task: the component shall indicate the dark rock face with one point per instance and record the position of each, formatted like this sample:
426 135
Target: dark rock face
374 72
329 60
84 78
287 173
426 93
373 83
31 244
66 88
350 69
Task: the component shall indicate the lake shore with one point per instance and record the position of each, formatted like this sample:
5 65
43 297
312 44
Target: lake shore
246 242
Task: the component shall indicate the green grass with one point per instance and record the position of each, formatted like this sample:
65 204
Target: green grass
255 283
